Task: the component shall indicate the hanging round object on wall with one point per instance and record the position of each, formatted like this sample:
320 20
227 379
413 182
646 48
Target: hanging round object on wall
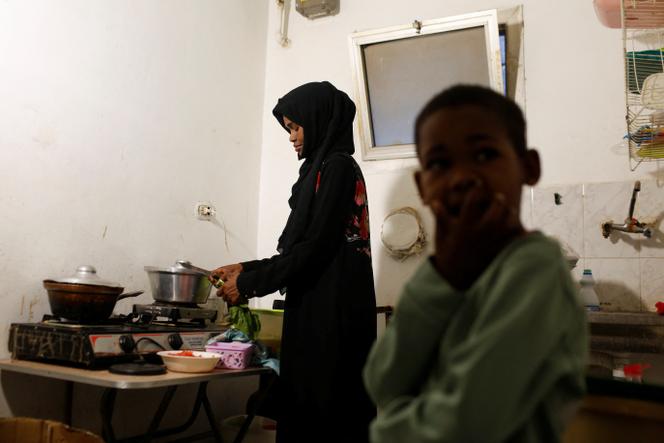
402 233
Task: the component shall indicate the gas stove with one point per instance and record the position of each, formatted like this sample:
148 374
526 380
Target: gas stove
174 313
120 339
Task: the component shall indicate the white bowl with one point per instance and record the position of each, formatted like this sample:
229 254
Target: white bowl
199 362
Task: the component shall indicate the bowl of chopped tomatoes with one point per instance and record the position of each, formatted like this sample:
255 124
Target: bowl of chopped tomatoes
189 361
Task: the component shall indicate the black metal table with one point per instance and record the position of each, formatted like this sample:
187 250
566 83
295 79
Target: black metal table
171 381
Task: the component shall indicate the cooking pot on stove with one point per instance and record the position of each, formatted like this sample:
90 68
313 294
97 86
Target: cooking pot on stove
179 284
84 297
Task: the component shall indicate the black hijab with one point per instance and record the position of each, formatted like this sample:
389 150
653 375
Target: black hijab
326 116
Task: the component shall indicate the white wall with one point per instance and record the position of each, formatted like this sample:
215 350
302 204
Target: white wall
627 267
574 97
115 118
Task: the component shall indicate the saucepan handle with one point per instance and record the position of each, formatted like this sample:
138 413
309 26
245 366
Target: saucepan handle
129 294
217 282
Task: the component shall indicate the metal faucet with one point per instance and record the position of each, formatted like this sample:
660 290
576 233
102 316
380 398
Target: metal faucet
631 224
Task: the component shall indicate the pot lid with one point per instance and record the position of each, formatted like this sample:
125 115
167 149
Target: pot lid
177 268
87 275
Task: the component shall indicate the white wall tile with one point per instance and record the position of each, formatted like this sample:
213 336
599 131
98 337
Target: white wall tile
618 283
628 268
650 209
564 221
604 202
652 282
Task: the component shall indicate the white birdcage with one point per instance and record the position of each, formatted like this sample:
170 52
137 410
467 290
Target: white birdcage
643 44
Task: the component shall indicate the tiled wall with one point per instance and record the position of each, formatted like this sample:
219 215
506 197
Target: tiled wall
628 268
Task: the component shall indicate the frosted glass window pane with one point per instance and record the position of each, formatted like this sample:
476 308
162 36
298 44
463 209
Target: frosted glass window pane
402 75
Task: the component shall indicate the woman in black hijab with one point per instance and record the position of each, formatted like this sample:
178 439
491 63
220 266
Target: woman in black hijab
324 268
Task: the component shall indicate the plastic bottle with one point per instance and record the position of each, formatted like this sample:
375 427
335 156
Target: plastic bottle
588 293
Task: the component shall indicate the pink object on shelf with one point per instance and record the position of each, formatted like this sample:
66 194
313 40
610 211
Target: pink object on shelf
660 307
634 371
608 12
234 355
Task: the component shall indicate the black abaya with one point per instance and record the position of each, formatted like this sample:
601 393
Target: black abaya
330 308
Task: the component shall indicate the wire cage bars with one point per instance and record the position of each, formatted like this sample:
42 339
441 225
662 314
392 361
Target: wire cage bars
643 47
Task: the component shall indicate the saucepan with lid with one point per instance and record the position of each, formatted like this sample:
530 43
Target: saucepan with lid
84 297
181 283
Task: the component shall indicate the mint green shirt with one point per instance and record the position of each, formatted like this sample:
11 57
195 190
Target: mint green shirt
502 361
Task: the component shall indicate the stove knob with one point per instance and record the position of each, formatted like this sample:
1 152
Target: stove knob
127 343
175 341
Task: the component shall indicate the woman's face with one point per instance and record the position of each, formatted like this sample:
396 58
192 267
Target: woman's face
296 135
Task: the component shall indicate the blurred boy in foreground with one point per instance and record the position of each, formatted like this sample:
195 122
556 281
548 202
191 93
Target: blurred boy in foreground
488 341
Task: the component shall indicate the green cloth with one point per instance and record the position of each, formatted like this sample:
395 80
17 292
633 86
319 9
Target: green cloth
502 361
244 320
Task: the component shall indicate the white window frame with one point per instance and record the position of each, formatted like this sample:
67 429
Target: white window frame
486 19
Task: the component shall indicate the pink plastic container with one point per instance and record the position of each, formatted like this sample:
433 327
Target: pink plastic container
608 12
234 355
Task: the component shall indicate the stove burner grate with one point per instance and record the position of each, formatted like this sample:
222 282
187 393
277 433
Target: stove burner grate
179 314
115 320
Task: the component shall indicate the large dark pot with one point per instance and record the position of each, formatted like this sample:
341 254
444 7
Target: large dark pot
84 298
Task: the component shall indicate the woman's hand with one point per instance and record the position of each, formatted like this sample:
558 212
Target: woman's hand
229 291
225 272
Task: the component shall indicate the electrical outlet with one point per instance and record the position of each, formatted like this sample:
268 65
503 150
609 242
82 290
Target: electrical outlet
205 211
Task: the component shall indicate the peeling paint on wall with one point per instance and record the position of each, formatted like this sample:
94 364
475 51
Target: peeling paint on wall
34 302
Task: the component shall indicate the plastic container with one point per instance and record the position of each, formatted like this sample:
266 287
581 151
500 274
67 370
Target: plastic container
261 430
659 307
608 12
634 371
272 321
587 292
234 355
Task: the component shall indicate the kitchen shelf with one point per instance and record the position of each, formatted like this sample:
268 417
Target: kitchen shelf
626 318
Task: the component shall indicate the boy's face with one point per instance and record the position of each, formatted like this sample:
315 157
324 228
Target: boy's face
467 160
